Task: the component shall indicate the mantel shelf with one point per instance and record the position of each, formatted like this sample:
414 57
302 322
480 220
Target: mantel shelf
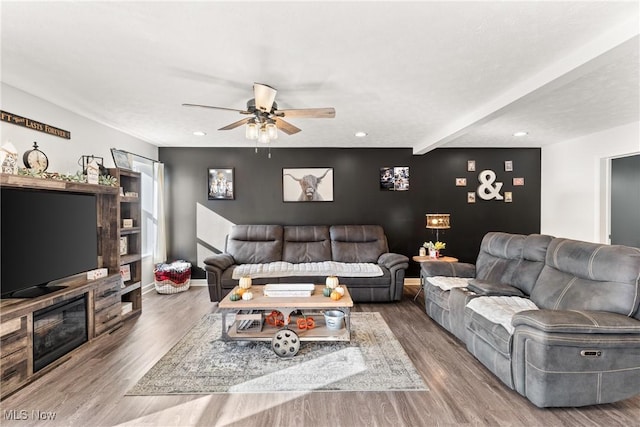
19 181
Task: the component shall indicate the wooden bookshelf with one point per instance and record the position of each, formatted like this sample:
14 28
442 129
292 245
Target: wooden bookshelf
129 208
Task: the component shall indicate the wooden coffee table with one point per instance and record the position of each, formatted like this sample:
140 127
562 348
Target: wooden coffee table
252 315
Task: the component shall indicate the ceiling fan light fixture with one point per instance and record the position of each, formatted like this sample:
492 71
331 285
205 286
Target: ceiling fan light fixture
263 135
272 130
251 132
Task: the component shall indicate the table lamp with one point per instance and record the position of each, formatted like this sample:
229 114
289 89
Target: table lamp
438 222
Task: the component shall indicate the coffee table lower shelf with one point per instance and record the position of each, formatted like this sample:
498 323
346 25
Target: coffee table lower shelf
319 333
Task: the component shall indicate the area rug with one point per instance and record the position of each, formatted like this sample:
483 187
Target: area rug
202 363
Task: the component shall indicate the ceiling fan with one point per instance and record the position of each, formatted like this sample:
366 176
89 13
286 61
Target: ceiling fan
265 117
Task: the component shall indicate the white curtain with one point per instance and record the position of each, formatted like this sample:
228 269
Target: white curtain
160 248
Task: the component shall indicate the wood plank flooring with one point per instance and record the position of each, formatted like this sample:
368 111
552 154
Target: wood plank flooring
89 389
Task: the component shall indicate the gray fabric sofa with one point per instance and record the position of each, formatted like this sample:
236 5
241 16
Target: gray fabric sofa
557 320
304 246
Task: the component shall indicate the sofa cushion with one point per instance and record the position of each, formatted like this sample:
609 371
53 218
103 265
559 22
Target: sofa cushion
447 283
308 269
306 243
534 251
252 244
500 254
500 310
357 243
588 276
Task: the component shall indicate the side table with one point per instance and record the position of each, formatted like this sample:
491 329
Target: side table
421 259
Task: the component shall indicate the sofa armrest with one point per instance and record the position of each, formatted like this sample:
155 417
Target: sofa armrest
390 260
215 266
577 322
220 261
491 289
448 269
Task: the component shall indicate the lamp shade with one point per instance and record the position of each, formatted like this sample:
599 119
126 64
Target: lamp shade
438 221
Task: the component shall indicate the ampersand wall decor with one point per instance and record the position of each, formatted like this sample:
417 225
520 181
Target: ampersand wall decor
487 190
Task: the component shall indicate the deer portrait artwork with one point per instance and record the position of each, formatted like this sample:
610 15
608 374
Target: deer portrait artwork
307 185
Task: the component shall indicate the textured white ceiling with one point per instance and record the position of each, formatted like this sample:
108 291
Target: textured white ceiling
410 74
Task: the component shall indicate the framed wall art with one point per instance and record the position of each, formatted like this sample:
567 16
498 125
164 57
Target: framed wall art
221 184
471 165
121 159
394 178
508 166
307 184
461 182
508 197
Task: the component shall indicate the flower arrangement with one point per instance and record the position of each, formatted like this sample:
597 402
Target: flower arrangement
437 246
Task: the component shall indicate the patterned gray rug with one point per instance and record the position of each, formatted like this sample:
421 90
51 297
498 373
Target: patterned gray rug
201 363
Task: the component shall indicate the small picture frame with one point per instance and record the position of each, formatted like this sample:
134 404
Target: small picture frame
518 182
125 272
124 245
121 159
471 197
508 166
394 178
461 182
508 197
127 223
221 183
471 165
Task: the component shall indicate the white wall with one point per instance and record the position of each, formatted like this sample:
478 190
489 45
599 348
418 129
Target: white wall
87 137
575 182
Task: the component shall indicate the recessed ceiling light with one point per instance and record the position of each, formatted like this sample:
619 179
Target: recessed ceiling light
199 133
361 134
521 133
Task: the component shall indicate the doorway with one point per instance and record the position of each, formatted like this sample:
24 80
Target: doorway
625 201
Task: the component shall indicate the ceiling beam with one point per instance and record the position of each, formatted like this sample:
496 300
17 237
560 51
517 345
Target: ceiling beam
561 72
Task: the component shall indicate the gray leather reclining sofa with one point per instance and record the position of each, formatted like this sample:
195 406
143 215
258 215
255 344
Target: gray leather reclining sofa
304 245
557 320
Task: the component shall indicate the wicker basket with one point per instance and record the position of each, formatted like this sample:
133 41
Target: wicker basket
172 278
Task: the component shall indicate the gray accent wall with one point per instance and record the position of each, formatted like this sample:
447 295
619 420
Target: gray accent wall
357 195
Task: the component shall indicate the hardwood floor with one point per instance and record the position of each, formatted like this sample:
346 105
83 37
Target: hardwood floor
89 389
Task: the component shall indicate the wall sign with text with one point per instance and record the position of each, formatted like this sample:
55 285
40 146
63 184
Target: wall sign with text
32 124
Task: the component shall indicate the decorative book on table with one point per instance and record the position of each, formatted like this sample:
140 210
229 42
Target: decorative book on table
288 289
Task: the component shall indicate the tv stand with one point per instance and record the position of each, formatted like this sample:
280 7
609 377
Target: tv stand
103 296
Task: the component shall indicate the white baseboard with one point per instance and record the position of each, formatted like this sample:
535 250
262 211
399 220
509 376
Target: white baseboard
198 282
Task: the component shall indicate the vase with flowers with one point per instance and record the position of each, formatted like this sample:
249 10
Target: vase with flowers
434 248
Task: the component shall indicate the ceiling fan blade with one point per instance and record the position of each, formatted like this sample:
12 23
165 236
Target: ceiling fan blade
236 124
323 113
286 127
216 108
264 96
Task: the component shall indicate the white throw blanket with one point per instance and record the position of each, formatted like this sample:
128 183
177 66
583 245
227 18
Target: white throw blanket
501 310
448 283
324 268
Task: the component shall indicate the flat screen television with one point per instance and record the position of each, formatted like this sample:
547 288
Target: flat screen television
46 236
